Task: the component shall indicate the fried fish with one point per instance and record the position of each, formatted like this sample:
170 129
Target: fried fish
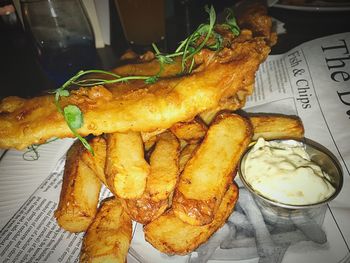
217 75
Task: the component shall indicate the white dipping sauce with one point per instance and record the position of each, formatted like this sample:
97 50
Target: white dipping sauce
285 173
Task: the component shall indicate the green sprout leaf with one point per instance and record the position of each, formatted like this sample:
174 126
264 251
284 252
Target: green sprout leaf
32 153
74 119
188 46
151 80
231 22
73 116
63 93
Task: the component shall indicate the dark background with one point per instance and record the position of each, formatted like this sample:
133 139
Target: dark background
21 75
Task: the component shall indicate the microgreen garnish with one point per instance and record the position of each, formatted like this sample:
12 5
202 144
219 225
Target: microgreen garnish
73 116
188 46
162 59
231 22
32 153
203 36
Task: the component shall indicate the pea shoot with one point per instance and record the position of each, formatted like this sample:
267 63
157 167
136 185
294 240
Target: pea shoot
32 153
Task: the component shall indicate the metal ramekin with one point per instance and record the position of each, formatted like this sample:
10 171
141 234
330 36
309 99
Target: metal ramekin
320 155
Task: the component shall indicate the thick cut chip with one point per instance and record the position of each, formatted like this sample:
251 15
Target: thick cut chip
96 161
161 182
126 168
191 131
143 210
79 194
208 173
108 237
276 126
272 127
164 163
171 235
186 154
150 138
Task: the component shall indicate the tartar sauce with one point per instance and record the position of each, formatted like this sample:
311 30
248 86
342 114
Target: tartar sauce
285 173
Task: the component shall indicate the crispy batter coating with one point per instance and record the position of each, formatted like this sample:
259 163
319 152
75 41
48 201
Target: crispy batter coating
135 106
253 15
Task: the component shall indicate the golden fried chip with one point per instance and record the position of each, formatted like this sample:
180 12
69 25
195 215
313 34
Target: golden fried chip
208 173
126 168
161 182
171 235
186 154
143 210
108 237
150 138
191 131
272 127
96 161
164 163
79 194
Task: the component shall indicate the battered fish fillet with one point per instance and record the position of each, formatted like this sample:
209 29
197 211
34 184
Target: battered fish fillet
147 65
252 15
136 106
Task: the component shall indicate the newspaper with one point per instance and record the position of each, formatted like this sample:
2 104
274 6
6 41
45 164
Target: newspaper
311 81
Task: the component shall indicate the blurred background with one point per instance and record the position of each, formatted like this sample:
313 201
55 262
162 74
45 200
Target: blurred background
28 57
